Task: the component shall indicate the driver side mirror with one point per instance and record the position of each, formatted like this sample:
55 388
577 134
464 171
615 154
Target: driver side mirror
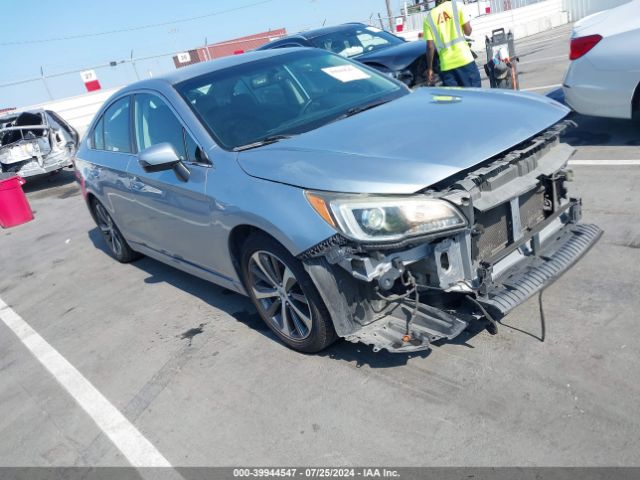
161 157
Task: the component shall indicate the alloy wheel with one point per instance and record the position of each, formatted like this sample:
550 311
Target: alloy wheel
109 230
279 295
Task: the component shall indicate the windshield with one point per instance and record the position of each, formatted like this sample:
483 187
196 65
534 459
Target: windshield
356 41
283 95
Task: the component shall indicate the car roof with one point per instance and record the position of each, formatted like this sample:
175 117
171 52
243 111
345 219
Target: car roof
16 113
192 71
317 32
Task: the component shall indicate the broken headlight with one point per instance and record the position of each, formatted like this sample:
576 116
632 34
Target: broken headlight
385 218
405 76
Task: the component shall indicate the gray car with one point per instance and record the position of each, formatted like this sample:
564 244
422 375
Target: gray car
341 203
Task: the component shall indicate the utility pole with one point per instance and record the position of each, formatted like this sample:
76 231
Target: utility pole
206 49
390 14
44 81
133 63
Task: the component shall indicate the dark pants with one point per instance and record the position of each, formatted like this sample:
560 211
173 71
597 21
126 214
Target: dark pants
465 76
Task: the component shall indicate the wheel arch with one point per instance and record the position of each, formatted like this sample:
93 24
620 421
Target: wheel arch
238 243
635 103
90 198
238 237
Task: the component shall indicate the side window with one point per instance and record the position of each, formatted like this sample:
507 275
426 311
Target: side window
367 40
116 127
155 123
97 140
192 148
342 43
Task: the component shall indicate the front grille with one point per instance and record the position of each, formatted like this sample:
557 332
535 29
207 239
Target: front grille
494 227
531 209
493 230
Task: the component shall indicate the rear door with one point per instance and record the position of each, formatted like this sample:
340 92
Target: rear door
110 152
173 217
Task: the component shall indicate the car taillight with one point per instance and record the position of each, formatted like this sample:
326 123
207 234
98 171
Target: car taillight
581 45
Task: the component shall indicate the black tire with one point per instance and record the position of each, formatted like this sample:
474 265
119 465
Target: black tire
116 244
635 106
321 334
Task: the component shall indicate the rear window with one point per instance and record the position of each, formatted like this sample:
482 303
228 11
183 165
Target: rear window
112 132
356 41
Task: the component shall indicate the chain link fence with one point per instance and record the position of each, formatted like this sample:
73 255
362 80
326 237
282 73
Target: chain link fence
505 5
581 8
51 85
55 85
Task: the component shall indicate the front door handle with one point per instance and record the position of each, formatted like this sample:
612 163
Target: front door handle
136 184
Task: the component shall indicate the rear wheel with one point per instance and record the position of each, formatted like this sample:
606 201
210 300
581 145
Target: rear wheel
117 245
285 296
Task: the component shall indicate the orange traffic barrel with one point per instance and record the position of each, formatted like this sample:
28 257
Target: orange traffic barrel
14 207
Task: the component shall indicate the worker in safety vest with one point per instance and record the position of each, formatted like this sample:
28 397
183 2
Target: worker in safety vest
445 28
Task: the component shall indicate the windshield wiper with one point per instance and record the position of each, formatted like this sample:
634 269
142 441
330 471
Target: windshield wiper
263 141
361 108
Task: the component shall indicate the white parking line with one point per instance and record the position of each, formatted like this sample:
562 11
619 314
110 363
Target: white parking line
528 41
134 446
546 59
615 163
543 87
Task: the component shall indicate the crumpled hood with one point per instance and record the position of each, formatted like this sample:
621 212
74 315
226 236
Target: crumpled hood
405 145
397 57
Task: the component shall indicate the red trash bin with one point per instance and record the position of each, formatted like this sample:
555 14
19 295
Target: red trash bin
14 207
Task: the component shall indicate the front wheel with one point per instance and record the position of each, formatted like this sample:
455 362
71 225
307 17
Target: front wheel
285 296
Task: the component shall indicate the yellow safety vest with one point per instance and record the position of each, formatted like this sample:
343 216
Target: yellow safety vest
443 25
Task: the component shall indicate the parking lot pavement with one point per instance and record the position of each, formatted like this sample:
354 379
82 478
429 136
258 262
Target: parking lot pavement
542 66
193 369
543 59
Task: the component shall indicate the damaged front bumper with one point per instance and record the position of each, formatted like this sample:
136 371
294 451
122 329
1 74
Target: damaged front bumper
524 232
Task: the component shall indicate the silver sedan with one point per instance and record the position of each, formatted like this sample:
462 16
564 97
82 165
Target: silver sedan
343 204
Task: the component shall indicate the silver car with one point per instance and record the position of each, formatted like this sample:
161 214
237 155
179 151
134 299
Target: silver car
341 203
35 142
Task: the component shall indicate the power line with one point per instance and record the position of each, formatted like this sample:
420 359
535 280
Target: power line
133 29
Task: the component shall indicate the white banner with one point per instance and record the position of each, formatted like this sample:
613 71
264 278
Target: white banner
184 57
88 76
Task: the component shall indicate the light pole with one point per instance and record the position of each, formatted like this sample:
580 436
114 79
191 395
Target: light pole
44 81
133 63
390 14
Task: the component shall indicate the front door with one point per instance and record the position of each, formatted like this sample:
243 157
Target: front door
173 215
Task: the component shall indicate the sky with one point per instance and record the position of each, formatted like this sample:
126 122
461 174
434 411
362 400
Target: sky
31 32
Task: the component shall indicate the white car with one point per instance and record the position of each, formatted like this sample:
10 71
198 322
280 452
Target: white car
604 74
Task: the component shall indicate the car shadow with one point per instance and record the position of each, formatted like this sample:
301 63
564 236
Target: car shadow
602 132
597 131
241 308
236 305
363 355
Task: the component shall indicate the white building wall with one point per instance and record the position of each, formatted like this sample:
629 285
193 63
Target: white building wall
578 9
524 21
78 111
